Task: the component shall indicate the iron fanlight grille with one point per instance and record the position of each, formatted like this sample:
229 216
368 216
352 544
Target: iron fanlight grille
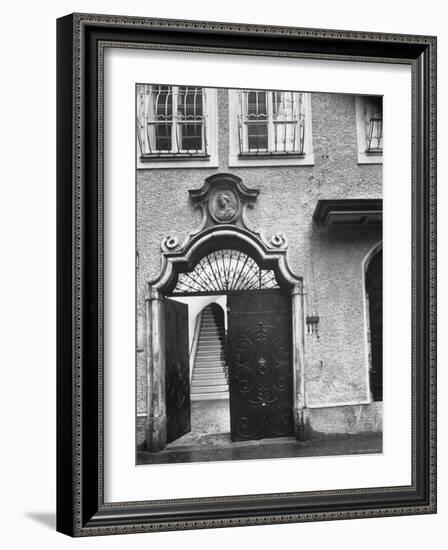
226 270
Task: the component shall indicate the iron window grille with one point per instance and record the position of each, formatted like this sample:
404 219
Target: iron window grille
171 122
374 124
271 123
225 270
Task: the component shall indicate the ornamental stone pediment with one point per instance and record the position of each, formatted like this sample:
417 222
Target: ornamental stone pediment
223 199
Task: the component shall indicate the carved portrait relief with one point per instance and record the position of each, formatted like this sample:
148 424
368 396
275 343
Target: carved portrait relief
224 205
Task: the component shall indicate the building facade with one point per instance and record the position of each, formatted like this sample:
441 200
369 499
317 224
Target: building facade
293 182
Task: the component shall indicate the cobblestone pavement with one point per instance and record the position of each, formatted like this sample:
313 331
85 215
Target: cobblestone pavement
209 440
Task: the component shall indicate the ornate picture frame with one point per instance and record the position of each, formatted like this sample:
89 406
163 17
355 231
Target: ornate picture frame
81 43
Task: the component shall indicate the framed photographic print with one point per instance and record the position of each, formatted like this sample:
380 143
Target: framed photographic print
246 274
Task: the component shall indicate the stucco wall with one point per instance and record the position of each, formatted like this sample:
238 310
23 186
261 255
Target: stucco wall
328 259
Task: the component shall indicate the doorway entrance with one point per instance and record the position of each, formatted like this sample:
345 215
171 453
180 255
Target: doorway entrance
374 292
208 390
263 349
250 363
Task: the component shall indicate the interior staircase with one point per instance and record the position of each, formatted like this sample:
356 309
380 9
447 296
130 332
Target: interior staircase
210 375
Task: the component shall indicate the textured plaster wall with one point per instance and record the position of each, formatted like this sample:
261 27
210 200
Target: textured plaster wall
349 419
329 259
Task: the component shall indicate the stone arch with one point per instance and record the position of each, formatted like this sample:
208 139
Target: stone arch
268 253
218 237
372 287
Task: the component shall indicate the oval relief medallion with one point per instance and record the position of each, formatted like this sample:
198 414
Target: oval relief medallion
224 205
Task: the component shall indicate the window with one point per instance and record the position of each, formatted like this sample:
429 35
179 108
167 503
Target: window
225 270
271 122
369 116
373 116
269 127
172 123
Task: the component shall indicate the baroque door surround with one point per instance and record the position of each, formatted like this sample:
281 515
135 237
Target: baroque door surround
223 201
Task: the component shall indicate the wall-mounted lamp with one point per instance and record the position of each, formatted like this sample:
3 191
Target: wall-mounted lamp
312 325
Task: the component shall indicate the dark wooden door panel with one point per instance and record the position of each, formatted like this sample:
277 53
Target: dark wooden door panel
374 288
260 365
177 370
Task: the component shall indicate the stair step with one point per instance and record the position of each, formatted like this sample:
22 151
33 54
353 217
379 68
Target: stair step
209 375
205 369
210 361
200 383
207 381
209 389
210 344
210 396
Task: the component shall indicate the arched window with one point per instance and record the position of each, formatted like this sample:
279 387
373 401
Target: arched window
374 292
226 270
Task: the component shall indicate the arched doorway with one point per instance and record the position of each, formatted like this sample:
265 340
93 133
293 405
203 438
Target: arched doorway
265 344
258 354
374 294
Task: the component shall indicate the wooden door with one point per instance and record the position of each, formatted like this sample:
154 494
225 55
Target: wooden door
260 365
177 370
374 288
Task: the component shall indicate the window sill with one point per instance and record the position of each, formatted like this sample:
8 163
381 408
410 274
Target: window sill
270 155
271 159
177 161
167 157
370 158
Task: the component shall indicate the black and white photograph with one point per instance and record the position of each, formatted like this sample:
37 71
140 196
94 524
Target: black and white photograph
222 240
259 273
